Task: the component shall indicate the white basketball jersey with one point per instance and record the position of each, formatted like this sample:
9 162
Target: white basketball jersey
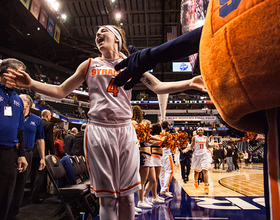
200 145
108 102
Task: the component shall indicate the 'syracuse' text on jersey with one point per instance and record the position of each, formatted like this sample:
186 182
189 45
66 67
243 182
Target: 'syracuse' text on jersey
200 145
108 102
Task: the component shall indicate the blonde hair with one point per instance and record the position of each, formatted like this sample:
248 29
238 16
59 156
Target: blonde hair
147 122
137 114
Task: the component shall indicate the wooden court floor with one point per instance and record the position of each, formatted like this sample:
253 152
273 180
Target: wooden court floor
247 182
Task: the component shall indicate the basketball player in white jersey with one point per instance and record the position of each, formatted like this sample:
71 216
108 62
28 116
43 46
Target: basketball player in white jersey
200 145
110 145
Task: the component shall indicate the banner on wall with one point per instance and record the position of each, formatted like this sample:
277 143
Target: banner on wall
57 31
193 14
50 27
35 8
43 18
26 3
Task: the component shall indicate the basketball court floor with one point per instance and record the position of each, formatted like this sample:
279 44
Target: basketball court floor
233 195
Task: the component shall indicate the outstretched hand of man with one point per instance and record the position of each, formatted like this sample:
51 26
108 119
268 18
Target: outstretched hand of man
143 60
136 64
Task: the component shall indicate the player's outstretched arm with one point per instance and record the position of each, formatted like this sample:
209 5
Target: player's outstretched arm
22 79
209 145
143 60
190 147
159 87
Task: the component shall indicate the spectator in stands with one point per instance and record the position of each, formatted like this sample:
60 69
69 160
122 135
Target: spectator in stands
76 113
11 135
33 131
78 142
69 140
58 143
222 157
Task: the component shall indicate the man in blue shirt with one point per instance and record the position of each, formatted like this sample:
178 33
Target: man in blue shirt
12 153
33 131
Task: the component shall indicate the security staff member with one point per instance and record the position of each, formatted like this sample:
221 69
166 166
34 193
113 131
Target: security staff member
33 130
185 162
11 135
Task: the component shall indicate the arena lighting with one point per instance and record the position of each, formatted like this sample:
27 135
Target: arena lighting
118 16
53 4
63 17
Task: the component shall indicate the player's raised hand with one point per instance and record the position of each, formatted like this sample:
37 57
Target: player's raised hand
136 64
198 84
143 60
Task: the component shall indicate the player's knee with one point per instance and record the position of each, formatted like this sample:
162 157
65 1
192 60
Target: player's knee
128 200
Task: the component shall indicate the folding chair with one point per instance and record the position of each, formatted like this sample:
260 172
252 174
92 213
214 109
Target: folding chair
84 165
76 168
84 175
83 172
70 193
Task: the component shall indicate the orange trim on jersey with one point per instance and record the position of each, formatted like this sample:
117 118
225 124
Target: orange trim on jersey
99 191
100 58
130 187
115 192
89 100
93 190
153 155
88 162
108 191
171 174
273 168
89 61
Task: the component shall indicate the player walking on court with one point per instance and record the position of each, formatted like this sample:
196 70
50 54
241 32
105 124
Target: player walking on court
200 145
